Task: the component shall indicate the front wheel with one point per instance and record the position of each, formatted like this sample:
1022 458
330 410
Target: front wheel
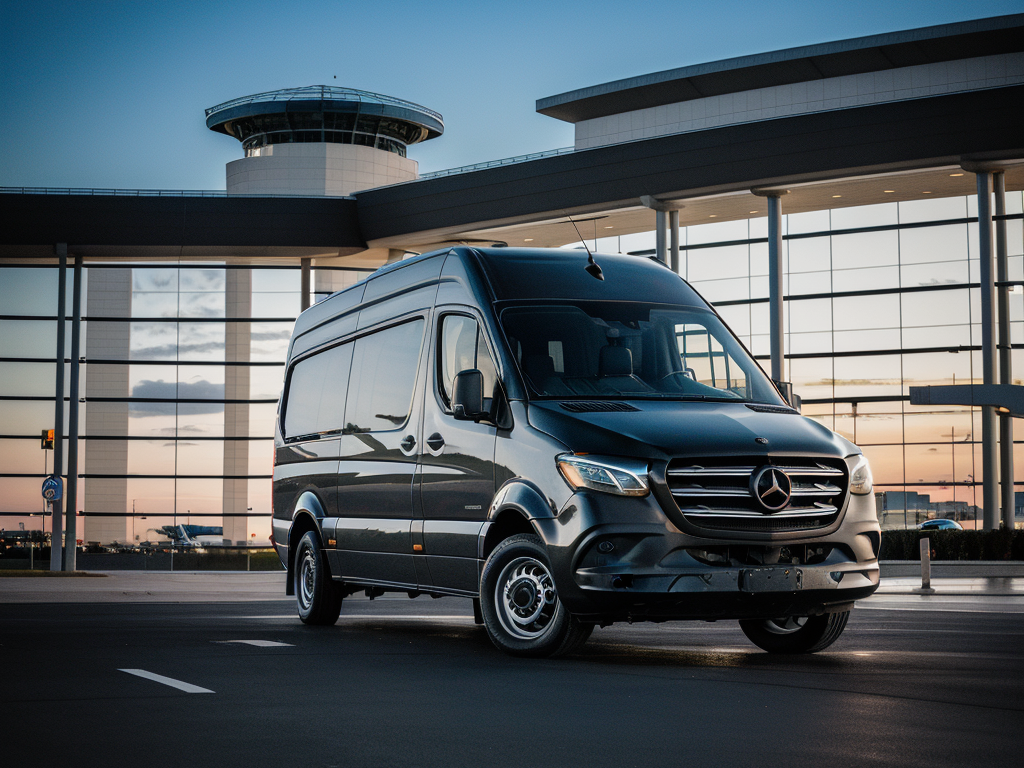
519 605
795 634
317 596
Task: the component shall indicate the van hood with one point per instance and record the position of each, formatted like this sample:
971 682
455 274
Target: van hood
660 430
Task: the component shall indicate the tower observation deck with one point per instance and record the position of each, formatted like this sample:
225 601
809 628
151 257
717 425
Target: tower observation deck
321 140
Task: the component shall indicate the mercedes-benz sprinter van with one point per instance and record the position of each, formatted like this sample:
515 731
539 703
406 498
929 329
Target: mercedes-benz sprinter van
569 441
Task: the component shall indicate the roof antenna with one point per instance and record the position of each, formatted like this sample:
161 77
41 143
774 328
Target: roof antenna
593 268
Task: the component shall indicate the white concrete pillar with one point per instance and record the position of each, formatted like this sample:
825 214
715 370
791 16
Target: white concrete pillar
238 337
775 280
989 428
661 208
109 294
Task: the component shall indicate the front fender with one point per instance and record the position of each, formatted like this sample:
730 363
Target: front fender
524 497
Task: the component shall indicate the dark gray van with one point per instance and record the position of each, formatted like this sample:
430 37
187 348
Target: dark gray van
568 446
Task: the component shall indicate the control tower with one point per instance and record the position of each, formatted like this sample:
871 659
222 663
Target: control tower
320 140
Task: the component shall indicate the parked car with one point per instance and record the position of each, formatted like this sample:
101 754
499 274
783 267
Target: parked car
940 524
569 441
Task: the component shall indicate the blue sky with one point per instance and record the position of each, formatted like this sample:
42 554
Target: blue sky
111 94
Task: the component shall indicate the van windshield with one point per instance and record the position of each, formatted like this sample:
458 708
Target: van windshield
631 350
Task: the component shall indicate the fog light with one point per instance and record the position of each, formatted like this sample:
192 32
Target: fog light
837 576
605 547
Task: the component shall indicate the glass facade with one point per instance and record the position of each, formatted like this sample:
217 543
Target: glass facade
183 369
258 131
185 362
877 299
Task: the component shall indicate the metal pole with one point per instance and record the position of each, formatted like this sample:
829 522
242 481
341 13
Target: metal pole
989 454
775 285
56 523
1005 357
659 237
71 550
926 567
304 283
673 238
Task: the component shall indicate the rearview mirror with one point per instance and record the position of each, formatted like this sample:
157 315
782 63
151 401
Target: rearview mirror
468 396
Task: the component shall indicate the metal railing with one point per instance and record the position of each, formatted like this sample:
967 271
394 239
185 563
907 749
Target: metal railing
497 163
324 93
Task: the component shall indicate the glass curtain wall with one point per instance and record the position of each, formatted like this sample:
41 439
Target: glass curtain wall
184 368
878 299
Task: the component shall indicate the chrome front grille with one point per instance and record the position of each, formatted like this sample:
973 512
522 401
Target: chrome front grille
717 492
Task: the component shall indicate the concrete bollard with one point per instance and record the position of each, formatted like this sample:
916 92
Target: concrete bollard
926 568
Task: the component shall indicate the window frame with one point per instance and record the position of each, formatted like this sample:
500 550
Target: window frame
350 338
439 318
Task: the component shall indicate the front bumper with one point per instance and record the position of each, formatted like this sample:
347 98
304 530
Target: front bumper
712 592
616 559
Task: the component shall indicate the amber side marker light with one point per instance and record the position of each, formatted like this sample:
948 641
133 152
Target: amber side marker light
417 547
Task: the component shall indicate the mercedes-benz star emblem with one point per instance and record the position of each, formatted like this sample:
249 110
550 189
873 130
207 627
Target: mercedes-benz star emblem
772 488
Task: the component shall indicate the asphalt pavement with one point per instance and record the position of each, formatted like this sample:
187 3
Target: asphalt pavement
187 678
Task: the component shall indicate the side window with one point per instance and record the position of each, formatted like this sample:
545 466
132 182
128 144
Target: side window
462 347
316 393
383 377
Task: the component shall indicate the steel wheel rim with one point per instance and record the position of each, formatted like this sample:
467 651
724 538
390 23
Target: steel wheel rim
307 579
525 598
786 626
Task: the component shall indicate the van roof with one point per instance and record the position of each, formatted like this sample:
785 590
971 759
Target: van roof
544 274
539 274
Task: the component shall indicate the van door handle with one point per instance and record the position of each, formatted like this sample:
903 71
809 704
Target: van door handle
408 444
435 443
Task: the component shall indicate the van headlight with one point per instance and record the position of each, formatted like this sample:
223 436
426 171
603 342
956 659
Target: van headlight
623 477
861 482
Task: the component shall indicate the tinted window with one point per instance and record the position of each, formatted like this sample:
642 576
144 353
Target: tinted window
316 393
383 375
631 349
463 348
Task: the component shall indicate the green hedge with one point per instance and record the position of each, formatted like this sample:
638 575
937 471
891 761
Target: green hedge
954 545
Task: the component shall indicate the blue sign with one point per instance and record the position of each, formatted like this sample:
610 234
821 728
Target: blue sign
53 488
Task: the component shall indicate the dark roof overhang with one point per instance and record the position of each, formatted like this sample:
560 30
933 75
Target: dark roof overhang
921 133
983 37
155 224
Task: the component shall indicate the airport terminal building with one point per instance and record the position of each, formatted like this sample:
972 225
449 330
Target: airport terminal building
825 199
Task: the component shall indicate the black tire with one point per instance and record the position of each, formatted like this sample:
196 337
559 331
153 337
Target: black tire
799 634
521 610
317 595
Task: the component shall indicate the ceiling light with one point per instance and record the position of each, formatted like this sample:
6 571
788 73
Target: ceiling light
528 240
926 192
713 215
888 191
753 211
609 227
835 196
956 174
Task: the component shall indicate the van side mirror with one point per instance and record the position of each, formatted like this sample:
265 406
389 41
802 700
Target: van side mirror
468 396
786 390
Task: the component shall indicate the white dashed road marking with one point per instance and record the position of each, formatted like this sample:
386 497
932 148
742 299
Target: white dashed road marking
181 686
258 643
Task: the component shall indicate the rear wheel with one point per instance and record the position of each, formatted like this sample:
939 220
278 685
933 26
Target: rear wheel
520 607
795 634
317 595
